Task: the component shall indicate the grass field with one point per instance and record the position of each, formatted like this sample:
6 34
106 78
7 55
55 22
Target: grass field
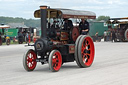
13 42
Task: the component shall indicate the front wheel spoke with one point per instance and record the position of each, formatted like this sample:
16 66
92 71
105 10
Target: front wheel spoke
32 58
32 62
28 58
30 55
29 64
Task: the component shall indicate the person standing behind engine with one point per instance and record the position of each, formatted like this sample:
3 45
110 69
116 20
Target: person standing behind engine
96 36
67 24
105 35
84 27
113 35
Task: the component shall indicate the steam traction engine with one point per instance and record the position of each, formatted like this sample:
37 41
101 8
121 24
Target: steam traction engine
56 45
120 28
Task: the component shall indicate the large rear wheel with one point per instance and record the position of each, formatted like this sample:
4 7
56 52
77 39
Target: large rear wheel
55 60
86 51
29 60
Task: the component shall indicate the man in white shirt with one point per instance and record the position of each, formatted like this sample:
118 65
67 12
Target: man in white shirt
105 35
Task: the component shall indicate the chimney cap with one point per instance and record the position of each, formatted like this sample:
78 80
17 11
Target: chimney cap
43 7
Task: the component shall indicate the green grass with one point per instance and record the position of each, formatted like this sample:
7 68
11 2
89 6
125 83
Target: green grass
13 43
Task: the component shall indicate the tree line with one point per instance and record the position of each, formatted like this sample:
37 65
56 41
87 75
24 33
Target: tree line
35 22
27 22
105 18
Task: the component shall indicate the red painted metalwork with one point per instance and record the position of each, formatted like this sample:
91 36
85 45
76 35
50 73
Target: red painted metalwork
64 36
79 16
72 49
34 40
75 33
87 51
29 38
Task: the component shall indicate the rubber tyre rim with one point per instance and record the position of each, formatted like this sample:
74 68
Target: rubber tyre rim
76 51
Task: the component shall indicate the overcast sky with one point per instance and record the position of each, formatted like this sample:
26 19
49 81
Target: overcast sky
26 8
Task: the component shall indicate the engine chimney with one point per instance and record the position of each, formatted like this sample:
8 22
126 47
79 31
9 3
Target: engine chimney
43 15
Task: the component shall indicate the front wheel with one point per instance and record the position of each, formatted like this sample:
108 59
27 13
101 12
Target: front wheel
29 60
55 60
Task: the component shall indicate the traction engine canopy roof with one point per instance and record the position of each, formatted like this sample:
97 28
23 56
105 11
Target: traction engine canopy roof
66 13
117 20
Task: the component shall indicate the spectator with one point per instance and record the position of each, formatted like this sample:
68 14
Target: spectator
96 36
105 35
20 37
113 36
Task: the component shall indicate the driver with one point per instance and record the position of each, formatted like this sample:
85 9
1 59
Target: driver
84 27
